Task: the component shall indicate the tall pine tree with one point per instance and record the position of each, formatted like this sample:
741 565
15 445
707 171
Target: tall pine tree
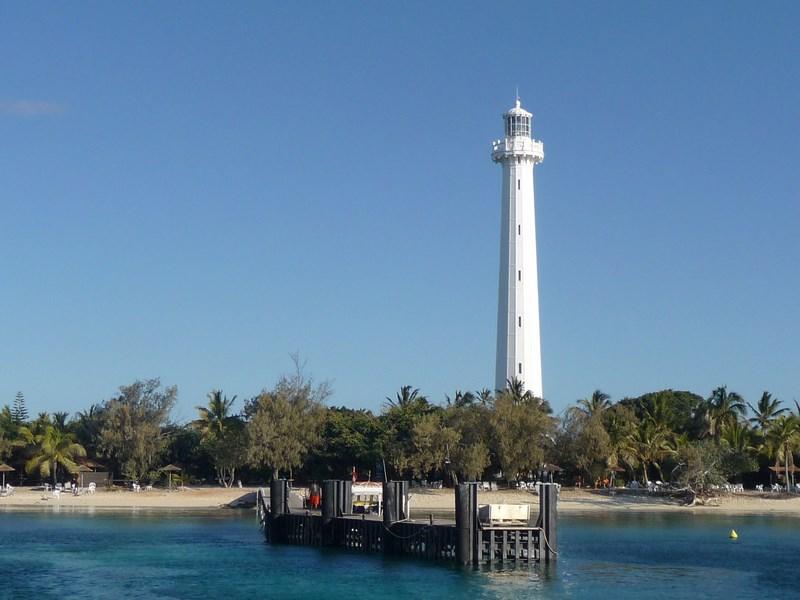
19 412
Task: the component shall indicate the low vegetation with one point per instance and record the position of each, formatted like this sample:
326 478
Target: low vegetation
288 430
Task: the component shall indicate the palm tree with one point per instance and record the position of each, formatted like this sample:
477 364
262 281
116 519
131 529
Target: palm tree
767 410
461 399
595 405
54 447
41 423
215 416
516 389
484 396
723 408
87 425
782 439
622 448
60 419
8 441
406 398
652 443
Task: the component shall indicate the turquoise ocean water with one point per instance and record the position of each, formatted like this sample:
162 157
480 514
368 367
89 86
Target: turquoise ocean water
68 554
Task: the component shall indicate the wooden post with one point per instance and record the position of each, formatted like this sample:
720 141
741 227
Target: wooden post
279 497
389 516
548 513
344 498
328 510
467 543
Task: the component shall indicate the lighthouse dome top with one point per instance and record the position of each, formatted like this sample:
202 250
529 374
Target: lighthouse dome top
518 121
518 111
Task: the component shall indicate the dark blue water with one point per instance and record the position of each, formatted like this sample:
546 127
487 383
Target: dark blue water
67 554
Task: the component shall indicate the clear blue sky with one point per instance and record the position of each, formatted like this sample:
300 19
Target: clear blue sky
194 190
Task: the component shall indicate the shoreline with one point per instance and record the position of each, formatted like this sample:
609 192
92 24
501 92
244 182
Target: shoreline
201 499
423 502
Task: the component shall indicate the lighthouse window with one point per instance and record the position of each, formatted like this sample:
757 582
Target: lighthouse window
519 368
519 229
519 321
519 275
518 183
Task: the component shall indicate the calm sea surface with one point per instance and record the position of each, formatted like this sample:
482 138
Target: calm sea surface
148 555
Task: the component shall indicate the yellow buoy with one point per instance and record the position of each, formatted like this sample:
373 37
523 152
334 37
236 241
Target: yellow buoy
733 535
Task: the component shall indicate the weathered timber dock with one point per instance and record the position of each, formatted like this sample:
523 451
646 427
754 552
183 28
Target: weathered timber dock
468 541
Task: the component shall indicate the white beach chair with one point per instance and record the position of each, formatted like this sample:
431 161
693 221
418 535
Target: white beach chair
92 487
57 494
760 487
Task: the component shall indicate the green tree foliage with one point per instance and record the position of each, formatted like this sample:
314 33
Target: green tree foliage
349 438
284 423
52 448
668 435
216 416
652 443
722 409
767 410
185 448
132 435
223 436
593 406
585 443
782 441
739 449
87 426
522 430
433 442
19 412
470 418
399 420
40 423
59 420
675 410
700 466
621 424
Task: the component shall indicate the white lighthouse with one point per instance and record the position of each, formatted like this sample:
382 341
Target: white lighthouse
519 353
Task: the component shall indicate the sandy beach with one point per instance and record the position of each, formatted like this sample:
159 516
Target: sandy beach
575 502
201 498
423 501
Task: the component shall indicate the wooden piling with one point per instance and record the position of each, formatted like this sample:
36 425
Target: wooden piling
548 516
279 497
467 544
329 499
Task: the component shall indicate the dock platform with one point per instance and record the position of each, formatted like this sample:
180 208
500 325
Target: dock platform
468 541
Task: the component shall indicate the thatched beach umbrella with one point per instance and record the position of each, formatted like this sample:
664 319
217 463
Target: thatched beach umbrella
170 468
781 470
4 468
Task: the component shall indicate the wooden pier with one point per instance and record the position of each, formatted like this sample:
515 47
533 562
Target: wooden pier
468 541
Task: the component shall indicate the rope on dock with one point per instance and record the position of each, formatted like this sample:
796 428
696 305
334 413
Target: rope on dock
407 537
546 542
